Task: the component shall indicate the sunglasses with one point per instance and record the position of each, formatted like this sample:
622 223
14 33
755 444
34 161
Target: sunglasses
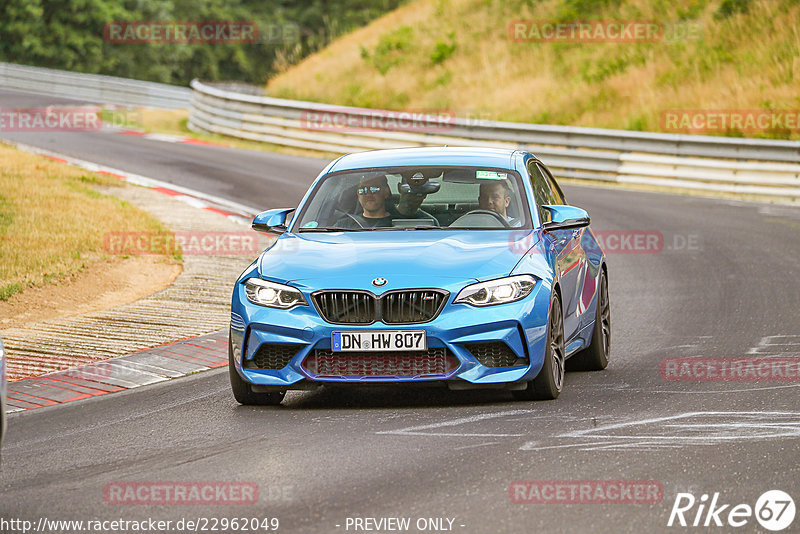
373 189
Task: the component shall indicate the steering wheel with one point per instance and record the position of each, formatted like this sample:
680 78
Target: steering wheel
356 220
494 214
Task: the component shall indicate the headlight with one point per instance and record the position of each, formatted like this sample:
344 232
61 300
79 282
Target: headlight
274 295
498 291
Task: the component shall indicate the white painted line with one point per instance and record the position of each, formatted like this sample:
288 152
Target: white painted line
153 369
168 138
138 179
240 220
476 445
418 430
102 378
133 371
533 445
580 433
192 201
767 344
643 446
749 426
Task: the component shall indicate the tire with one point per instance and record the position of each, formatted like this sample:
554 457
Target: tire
595 356
243 392
548 383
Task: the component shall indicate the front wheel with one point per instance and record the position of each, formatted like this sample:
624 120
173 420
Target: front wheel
548 383
595 356
243 391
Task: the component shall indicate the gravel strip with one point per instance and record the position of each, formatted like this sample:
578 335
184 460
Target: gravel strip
197 303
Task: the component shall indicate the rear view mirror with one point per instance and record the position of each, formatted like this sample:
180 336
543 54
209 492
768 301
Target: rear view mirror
422 189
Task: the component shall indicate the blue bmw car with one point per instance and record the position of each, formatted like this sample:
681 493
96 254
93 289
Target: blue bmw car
463 267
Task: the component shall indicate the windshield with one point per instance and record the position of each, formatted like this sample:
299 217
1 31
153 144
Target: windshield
418 198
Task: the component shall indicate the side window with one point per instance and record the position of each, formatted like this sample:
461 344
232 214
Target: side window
542 192
558 195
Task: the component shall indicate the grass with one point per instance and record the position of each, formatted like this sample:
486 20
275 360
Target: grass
458 55
53 222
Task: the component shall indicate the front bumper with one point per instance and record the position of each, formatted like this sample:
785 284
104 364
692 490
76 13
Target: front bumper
520 325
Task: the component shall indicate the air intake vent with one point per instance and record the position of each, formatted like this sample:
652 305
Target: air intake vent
434 362
272 356
495 354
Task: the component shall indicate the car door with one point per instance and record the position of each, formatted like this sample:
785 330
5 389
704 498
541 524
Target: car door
570 256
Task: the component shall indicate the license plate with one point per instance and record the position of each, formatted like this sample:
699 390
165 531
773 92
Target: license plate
375 340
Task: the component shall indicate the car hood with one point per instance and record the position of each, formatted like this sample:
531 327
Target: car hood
414 258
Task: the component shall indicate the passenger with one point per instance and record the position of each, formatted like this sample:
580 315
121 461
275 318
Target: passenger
408 207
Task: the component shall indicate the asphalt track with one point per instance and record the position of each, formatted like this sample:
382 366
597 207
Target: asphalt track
724 285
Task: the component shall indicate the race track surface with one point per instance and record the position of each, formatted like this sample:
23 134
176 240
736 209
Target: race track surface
723 285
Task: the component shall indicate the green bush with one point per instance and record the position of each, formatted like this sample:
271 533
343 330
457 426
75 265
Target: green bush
390 48
443 50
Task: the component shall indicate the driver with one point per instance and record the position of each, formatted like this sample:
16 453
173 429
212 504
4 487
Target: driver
372 193
496 196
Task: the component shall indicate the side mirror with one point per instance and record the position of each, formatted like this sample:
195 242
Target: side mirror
566 217
273 221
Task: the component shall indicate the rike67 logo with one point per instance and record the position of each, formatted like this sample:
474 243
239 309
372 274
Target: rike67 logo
774 510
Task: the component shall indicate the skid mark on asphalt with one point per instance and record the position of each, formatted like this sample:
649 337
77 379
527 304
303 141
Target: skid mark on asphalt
675 431
432 429
476 445
784 346
780 345
779 211
703 392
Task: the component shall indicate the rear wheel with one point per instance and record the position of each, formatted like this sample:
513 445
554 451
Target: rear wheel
548 383
243 391
595 356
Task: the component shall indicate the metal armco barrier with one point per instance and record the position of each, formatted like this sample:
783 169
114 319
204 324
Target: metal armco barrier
94 87
736 165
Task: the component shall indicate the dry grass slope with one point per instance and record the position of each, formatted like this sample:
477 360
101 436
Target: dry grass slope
52 221
458 55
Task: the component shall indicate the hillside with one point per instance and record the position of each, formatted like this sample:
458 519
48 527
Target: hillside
459 55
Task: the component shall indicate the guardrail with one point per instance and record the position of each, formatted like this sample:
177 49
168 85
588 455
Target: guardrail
746 166
94 87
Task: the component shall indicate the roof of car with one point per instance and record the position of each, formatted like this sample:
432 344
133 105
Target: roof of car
455 156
